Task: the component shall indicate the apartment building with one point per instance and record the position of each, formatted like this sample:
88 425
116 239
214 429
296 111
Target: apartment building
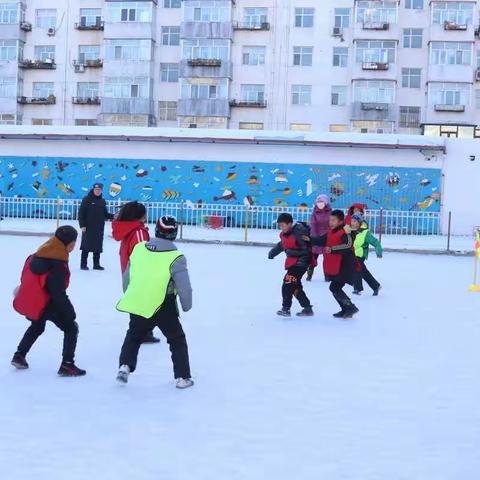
406 66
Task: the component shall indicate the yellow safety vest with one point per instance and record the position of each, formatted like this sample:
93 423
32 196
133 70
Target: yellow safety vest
358 244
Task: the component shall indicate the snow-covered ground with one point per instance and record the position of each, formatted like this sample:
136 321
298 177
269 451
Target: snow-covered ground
435 243
392 394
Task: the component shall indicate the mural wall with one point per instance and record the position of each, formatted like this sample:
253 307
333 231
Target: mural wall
222 182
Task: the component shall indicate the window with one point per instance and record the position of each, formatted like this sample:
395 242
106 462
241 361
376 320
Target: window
255 16
451 53
372 126
412 37
7 119
411 77
303 56
373 11
305 127
304 17
8 87
9 13
88 52
206 48
339 95
172 3
250 126
374 91
379 51
340 57
41 121
44 53
338 127
253 56
342 17
139 50
414 4
460 13
46 18
208 11
88 89
90 17
85 122
43 89
409 117
203 122
129 12
448 93
167 111
169 72
8 50
127 87
477 99
301 94
170 35
192 88
253 93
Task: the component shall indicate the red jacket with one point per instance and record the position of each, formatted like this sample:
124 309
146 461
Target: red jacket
332 262
129 234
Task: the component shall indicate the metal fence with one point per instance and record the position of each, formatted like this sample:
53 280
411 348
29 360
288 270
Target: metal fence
217 216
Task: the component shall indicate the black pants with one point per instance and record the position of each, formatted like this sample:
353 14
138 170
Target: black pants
96 259
292 286
340 296
69 328
166 319
364 274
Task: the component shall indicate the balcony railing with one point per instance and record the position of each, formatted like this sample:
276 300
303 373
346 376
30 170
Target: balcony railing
48 64
26 26
251 26
249 103
449 108
81 65
50 100
204 62
376 25
377 106
455 26
86 100
97 26
375 66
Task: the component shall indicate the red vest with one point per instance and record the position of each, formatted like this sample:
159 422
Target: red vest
32 297
333 261
289 242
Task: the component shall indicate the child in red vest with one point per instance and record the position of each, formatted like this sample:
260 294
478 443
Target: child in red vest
42 295
338 261
299 258
129 229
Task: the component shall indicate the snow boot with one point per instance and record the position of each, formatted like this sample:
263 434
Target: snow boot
98 267
339 314
84 267
284 312
310 273
182 383
19 361
306 312
150 338
69 369
350 312
376 290
123 374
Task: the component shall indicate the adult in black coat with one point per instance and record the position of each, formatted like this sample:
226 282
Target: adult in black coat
91 216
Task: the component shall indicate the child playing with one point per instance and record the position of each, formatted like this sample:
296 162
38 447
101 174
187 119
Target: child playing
129 229
338 261
356 208
362 240
42 295
157 272
299 258
319 226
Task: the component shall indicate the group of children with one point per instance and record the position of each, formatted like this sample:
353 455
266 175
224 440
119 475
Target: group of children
154 274
343 241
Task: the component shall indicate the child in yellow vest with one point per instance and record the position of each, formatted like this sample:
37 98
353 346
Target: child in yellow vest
156 274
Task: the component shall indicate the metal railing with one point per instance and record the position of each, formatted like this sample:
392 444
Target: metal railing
221 215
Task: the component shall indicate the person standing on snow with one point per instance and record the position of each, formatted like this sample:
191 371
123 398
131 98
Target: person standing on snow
42 295
157 272
129 228
319 226
92 216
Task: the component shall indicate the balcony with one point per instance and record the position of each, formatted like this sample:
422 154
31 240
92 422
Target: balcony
204 69
201 107
249 103
251 26
375 66
462 27
48 64
99 25
383 26
449 108
206 30
128 106
50 100
377 111
204 62
26 26
86 100
81 65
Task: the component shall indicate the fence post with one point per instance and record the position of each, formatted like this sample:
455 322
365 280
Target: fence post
58 212
246 223
449 230
381 226
181 219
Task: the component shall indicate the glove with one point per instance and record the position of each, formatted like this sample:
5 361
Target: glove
271 256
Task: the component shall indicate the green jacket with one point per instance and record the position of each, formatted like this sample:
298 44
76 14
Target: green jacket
363 239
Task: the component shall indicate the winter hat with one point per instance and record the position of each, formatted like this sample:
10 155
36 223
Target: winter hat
323 198
358 218
167 228
66 234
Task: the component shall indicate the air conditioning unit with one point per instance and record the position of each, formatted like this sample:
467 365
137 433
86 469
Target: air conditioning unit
477 75
51 32
79 68
337 31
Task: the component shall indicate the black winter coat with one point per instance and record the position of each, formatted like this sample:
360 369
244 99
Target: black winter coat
92 215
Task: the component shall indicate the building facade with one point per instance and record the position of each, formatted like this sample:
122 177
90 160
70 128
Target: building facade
405 66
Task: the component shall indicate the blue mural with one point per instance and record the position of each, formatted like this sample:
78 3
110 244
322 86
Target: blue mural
254 183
